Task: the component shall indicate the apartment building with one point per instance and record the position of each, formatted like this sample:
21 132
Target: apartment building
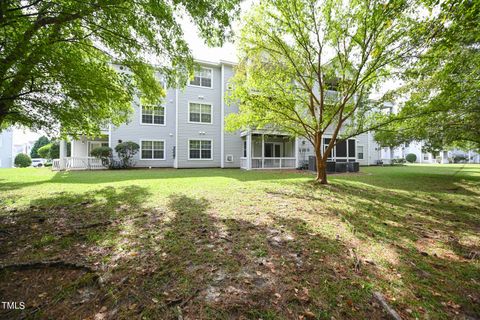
188 131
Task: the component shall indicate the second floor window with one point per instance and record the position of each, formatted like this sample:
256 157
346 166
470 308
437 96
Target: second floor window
200 113
153 115
202 78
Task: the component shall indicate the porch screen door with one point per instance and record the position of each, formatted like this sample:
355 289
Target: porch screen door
272 150
277 151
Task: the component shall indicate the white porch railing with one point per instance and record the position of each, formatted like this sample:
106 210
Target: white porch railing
269 163
243 163
79 163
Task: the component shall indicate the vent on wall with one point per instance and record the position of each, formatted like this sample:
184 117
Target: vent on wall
229 158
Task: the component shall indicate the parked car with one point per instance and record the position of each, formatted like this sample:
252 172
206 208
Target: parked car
38 162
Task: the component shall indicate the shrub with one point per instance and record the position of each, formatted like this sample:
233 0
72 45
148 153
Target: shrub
411 157
44 152
103 153
22 160
460 159
126 150
397 161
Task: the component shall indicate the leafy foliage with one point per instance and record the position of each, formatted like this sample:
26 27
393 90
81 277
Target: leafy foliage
78 64
42 141
442 90
308 67
44 152
411 157
103 153
55 150
22 160
126 150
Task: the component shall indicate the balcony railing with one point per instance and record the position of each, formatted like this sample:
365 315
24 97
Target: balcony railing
269 163
79 163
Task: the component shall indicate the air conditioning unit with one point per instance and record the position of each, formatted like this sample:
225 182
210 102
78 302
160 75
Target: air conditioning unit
229 158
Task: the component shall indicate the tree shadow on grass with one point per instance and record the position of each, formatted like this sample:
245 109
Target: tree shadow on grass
73 228
433 239
182 258
159 263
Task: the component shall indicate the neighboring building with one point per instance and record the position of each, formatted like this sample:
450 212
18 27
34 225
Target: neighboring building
24 147
6 148
188 131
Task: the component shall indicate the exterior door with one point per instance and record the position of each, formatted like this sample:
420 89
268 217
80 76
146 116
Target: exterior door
273 150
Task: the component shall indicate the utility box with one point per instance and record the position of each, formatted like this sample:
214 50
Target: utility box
341 167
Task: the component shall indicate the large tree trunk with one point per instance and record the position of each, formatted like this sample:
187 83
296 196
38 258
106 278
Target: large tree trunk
321 164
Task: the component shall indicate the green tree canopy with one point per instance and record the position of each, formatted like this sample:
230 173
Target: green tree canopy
442 86
42 141
308 67
77 64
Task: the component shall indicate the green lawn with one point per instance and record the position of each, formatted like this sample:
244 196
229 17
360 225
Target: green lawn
232 244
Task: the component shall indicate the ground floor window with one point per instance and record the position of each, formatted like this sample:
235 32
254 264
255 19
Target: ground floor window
152 149
244 148
344 150
200 149
425 157
360 152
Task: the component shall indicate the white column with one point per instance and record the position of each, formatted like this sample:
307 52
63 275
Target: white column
249 150
444 156
297 161
63 154
263 150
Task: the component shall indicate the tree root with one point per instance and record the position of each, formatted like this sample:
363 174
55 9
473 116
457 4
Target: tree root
391 312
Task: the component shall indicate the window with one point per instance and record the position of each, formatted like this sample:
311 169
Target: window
200 149
200 113
202 78
341 149
360 152
326 141
152 149
351 148
425 157
153 115
244 148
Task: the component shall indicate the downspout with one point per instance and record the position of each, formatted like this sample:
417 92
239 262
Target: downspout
222 121
175 161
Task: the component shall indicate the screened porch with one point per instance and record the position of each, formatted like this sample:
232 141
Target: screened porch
268 151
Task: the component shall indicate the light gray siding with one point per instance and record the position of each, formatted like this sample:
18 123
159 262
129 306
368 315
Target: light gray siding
233 144
192 131
135 131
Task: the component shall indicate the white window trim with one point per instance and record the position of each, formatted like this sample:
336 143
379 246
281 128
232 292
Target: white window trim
200 102
211 82
356 151
164 150
154 124
201 159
